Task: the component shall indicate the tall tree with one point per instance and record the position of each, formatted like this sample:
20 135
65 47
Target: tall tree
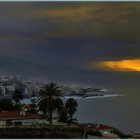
50 98
17 96
62 114
71 106
33 104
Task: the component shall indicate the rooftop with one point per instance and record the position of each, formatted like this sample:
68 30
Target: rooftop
15 114
88 126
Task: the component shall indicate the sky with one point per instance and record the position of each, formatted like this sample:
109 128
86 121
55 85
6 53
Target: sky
100 39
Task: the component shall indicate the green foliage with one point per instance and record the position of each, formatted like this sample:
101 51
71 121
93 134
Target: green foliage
71 106
95 133
18 106
6 105
50 99
66 112
63 115
17 96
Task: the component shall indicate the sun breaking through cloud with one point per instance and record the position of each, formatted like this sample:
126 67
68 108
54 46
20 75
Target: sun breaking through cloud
121 65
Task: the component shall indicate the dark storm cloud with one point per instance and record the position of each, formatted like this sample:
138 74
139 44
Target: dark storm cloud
107 20
70 33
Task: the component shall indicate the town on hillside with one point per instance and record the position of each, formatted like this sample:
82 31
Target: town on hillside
9 83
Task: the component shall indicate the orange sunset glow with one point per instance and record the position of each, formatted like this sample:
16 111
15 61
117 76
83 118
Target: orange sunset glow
122 65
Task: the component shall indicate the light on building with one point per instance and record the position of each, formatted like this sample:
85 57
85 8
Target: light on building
105 132
25 109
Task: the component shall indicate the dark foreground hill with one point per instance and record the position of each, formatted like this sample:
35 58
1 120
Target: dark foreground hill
51 132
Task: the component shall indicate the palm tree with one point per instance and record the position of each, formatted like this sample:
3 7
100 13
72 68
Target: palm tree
62 114
17 96
71 106
50 99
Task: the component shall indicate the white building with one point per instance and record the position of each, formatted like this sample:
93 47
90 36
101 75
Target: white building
11 87
15 118
3 90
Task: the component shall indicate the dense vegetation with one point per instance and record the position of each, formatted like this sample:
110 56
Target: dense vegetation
49 132
17 96
6 105
66 112
51 101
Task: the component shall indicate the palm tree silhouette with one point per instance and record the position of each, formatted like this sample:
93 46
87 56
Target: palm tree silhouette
17 96
62 114
71 106
50 98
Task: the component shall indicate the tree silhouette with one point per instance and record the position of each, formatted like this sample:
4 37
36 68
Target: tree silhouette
50 99
62 114
17 96
66 112
6 105
71 106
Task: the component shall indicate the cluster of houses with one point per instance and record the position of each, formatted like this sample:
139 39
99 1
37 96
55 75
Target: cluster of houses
23 119
106 131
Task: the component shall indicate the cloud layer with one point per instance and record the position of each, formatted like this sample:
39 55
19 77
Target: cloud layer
70 33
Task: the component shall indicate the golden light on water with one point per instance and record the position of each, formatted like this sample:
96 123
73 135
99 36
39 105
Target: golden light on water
121 65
